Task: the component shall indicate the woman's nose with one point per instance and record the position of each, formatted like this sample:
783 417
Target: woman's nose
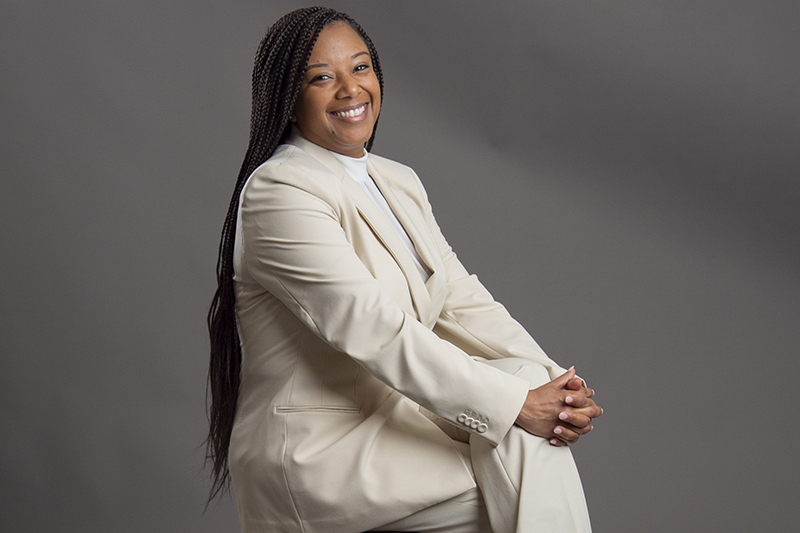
348 87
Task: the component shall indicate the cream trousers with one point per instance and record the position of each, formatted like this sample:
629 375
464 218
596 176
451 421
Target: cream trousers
525 485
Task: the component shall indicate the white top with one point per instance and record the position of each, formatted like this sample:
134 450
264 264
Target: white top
357 168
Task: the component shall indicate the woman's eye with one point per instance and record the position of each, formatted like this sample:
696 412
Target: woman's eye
321 77
362 67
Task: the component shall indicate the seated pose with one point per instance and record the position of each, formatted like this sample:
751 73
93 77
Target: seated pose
361 379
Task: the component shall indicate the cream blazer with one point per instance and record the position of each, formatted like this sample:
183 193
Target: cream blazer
342 342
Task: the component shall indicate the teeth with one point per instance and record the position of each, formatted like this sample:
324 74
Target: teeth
351 113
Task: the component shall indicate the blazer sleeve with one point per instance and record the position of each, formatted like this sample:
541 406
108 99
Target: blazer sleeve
472 319
294 246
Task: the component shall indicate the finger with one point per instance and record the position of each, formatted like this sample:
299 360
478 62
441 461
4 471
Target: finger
555 442
570 430
575 383
580 398
591 410
562 380
567 435
580 430
577 399
576 419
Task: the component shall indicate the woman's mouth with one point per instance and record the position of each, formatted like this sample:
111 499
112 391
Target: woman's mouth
350 113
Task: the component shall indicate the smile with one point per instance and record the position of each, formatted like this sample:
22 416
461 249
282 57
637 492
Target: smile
349 113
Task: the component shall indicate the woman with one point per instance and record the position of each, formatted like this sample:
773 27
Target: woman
361 379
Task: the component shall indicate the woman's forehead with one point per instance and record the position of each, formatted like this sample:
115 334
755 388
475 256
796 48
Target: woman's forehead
337 37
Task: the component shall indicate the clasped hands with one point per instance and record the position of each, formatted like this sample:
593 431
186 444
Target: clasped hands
560 411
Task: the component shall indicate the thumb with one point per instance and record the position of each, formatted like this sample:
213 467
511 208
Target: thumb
562 380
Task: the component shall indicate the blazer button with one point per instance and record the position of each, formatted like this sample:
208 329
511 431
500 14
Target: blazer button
461 418
468 421
482 428
474 424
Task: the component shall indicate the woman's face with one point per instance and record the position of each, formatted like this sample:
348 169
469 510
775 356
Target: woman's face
340 96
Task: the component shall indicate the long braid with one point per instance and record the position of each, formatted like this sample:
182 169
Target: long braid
279 67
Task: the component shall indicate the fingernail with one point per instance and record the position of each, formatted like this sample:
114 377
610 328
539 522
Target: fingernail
557 431
569 399
554 442
601 410
571 368
591 427
563 416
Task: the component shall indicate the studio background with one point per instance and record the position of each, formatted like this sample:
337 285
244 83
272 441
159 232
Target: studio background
623 175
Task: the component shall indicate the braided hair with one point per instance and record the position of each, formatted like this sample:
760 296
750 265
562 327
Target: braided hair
280 65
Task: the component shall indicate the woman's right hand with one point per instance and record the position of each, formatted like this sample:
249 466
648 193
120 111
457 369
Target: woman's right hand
560 411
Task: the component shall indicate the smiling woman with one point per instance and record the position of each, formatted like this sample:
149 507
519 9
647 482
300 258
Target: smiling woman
360 378
340 96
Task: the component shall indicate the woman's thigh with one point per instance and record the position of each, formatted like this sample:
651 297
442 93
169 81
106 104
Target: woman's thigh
465 513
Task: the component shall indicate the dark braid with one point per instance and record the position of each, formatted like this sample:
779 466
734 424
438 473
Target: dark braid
279 68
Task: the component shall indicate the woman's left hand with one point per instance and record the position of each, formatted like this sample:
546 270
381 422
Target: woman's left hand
576 422
560 410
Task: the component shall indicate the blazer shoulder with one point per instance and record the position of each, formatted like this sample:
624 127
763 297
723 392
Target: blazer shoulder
291 166
289 160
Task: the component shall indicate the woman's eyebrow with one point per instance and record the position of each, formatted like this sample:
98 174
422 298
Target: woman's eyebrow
320 65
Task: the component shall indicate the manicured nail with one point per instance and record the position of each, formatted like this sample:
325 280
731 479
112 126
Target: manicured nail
563 416
554 442
591 427
557 431
601 410
571 368
568 399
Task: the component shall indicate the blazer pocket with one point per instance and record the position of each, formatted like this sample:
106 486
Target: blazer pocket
316 409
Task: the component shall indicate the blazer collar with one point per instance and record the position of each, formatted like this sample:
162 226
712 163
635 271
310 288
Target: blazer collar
319 153
381 227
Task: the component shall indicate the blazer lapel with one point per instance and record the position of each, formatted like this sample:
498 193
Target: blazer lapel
417 229
379 225
406 212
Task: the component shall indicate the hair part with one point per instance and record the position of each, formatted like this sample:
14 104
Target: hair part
280 65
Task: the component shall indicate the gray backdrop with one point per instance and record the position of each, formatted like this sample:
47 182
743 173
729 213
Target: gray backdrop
623 175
